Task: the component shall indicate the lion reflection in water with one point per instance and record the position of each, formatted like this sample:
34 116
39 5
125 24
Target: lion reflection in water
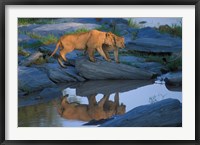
103 109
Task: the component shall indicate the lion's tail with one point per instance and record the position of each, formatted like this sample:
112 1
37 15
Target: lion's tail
57 46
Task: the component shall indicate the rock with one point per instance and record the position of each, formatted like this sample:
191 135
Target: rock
30 43
32 58
57 29
151 40
165 113
124 29
92 20
21 58
73 72
149 32
173 78
23 37
62 28
131 59
152 66
156 45
59 75
32 79
50 93
140 62
22 93
109 70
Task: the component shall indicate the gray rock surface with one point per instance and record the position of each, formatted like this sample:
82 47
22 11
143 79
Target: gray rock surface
23 37
140 62
152 66
165 113
151 40
109 70
58 29
131 59
60 75
32 79
156 45
148 32
29 42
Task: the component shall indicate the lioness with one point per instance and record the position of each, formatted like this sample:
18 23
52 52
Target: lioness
102 109
91 41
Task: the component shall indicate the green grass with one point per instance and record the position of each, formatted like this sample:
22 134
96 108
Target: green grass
174 30
174 64
32 45
103 28
42 40
106 29
22 52
81 30
49 39
133 24
27 21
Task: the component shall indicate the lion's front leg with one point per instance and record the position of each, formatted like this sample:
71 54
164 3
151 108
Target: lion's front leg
107 54
101 52
116 55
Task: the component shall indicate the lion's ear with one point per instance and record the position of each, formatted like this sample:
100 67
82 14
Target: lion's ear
109 34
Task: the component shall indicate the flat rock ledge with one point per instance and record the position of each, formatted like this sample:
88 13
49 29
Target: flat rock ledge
102 69
165 113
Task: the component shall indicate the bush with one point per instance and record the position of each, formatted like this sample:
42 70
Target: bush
174 30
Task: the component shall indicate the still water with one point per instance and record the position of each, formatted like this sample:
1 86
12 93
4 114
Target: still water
94 100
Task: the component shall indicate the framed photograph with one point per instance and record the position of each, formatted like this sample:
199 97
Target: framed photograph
79 72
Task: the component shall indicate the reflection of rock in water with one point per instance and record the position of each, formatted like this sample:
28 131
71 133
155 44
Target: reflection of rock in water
109 86
174 88
103 109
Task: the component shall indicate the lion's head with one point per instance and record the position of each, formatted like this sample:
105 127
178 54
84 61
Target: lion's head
119 42
110 41
114 40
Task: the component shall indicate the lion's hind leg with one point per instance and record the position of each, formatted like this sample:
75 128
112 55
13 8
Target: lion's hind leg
64 51
91 54
61 62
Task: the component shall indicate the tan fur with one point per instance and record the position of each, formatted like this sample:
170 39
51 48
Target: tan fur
94 110
91 41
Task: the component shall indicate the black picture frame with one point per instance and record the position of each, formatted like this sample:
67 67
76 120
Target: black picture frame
98 2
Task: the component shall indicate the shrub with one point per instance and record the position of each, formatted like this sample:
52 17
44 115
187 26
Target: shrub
174 30
133 24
